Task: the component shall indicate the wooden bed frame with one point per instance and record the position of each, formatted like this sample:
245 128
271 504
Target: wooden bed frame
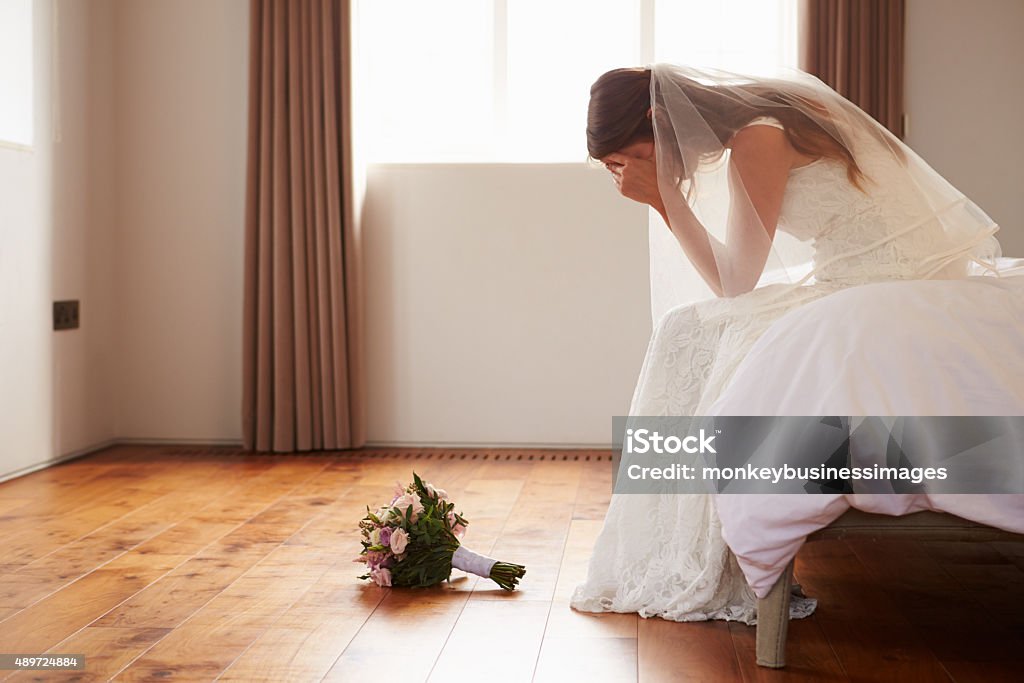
773 609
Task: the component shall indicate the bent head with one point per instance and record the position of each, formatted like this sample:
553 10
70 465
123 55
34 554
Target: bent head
619 119
619 114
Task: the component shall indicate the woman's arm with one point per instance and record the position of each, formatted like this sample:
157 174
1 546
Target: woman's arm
760 162
761 159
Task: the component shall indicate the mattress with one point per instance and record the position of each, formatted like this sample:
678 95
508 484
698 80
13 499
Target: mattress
927 347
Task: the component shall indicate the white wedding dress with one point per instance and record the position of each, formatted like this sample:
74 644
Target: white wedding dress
663 555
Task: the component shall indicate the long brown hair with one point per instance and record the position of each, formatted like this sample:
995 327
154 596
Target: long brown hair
620 99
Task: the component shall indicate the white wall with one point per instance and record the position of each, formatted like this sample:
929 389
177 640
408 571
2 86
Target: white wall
56 394
964 78
182 83
505 303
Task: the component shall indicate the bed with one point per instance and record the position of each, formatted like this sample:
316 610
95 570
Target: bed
931 347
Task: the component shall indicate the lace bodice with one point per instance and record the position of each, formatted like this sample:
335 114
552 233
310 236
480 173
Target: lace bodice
886 231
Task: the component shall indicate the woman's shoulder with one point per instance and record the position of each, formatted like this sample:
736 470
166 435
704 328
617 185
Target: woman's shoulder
758 121
764 121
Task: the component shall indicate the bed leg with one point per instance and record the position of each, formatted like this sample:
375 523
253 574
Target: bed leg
773 622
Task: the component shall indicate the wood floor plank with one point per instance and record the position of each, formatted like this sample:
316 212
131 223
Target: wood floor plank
408 630
694 651
9 506
831 572
598 646
216 634
235 507
79 512
306 641
579 546
970 637
565 622
809 655
882 651
169 601
36 579
499 637
593 631
53 618
983 672
952 552
998 588
187 563
581 659
46 535
106 651
535 533
338 525
595 489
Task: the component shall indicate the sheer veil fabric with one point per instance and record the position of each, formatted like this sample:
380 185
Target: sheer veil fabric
697 179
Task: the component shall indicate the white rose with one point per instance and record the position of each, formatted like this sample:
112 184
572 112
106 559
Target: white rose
399 539
375 537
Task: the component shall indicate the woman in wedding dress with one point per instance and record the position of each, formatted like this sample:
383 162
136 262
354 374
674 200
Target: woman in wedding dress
772 192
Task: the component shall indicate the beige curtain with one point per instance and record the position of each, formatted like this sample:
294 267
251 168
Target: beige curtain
856 46
302 321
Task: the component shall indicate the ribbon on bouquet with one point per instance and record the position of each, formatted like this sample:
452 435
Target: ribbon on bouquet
473 563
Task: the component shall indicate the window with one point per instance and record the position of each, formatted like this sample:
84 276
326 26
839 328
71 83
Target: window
16 72
509 80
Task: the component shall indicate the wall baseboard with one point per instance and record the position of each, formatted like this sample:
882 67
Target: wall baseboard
235 443
56 461
178 442
492 444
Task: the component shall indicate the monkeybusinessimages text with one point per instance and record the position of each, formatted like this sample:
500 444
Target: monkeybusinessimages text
647 442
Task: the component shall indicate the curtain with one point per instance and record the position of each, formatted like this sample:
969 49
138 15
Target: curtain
856 46
302 374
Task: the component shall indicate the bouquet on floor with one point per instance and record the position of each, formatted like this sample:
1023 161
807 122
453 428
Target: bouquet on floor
415 541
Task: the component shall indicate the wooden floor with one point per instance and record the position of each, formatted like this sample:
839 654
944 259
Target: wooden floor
163 563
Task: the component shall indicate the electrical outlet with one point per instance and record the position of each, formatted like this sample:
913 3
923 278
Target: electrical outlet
65 315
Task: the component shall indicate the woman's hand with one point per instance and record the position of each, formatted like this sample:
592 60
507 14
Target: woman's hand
636 178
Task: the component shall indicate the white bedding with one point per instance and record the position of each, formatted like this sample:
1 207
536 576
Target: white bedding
930 347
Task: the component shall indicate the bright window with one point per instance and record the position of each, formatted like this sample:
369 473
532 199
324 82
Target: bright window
16 72
509 80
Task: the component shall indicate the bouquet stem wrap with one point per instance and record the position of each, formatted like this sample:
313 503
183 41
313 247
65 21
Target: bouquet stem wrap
472 563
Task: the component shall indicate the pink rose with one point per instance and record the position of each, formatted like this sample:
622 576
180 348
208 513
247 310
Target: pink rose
399 492
381 577
407 499
440 493
457 529
376 558
399 539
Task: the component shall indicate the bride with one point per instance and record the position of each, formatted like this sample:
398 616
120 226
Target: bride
773 192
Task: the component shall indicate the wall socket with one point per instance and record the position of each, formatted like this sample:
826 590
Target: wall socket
65 315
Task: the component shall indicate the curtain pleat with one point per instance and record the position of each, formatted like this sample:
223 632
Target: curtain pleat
856 46
302 318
